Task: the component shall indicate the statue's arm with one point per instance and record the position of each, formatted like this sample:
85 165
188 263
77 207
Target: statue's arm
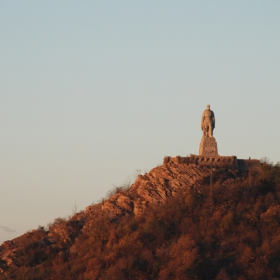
202 120
213 120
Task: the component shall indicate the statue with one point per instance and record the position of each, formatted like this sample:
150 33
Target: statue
208 122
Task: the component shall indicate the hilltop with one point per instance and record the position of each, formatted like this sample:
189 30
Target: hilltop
181 220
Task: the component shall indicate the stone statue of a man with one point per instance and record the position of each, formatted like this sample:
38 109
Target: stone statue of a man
208 122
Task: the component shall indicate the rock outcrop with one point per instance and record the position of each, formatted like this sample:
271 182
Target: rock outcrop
155 187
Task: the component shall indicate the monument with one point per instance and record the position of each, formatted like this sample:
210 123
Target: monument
208 144
208 150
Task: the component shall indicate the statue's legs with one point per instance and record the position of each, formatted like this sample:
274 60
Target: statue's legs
208 129
205 128
205 132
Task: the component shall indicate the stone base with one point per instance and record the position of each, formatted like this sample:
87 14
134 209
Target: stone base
215 161
208 147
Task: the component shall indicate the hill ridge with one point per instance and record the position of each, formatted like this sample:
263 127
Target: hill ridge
171 203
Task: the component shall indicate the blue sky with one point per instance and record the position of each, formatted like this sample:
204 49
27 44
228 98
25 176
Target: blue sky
91 91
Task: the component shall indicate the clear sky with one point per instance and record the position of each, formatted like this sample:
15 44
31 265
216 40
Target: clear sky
91 91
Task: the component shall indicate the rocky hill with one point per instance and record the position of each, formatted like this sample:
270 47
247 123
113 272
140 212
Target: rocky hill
179 221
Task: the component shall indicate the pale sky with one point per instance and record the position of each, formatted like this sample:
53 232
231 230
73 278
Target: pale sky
91 91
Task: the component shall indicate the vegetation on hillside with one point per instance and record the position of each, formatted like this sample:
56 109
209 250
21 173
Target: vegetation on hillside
221 232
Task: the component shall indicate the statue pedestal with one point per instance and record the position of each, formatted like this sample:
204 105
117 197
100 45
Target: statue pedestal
208 146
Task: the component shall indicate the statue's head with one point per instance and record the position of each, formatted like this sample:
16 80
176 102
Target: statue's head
208 107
